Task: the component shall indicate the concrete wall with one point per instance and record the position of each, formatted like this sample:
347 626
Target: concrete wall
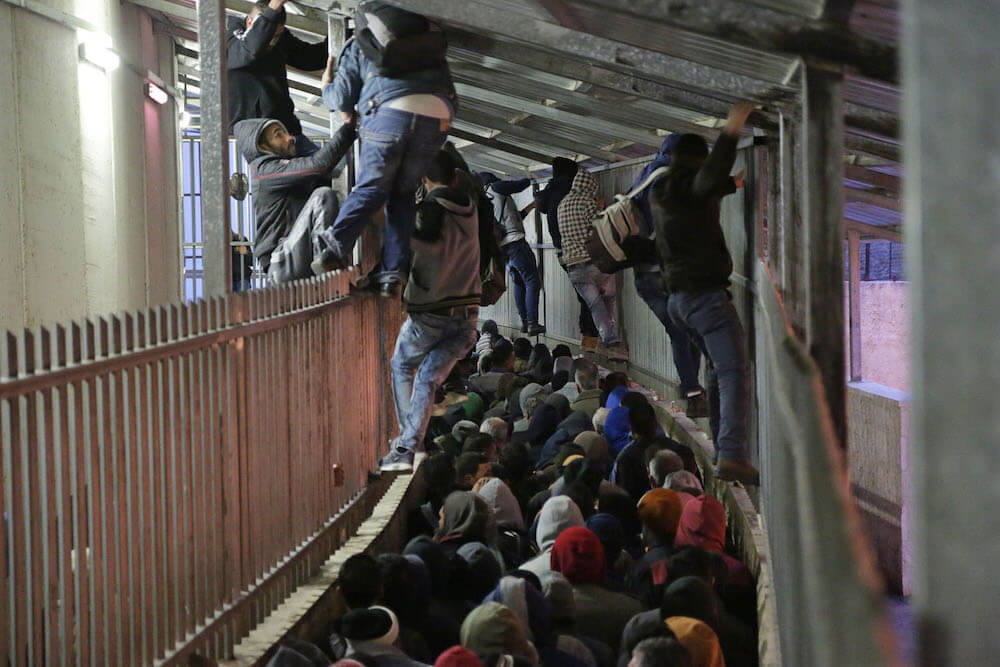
885 333
878 433
88 183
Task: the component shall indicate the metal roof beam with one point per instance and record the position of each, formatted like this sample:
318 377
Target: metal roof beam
872 177
883 233
502 125
308 24
820 42
501 146
473 46
618 56
874 198
568 118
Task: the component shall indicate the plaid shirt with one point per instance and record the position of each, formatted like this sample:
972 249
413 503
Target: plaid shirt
576 214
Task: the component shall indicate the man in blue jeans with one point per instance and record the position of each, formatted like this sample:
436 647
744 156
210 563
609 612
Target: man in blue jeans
696 267
521 261
442 301
403 123
649 285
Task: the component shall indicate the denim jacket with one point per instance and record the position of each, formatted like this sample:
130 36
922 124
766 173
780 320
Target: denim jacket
358 84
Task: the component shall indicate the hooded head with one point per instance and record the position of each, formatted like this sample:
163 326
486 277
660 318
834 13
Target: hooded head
490 327
600 418
494 628
562 363
667 148
458 656
256 137
579 556
660 511
533 389
595 447
560 403
701 642
434 559
503 502
618 429
559 592
563 168
483 570
615 397
584 183
558 514
466 517
682 480
530 606
692 597
611 533
463 429
702 525
474 407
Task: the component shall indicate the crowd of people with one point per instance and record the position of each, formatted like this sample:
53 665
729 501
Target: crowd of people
559 526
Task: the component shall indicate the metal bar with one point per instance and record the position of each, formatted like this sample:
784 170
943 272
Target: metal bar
793 281
872 177
498 145
214 148
854 300
885 233
822 135
873 198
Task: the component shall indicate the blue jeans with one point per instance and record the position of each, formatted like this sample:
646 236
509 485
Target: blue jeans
713 318
599 291
427 347
687 356
396 149
524 274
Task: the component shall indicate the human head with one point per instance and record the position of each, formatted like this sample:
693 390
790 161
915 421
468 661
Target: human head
663 463
611 382
579 556
496 428
559 592
458 656
490 327
690 151
274 138
473 407
374 625
360 581
692 597
684 480
525 599
563 168
470 467
617 429
587 376
482 570
481 443
594 446
659 512
256 10
439 471
440 172
600 418
660 652
642 418
494 628
503 503
522 348
485 364
503 356
611 533
516 460
406 584
562 350
467 516
691 562
463 429
702 525
701 642
558 513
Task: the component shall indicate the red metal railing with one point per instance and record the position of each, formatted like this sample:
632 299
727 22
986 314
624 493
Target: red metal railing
168 476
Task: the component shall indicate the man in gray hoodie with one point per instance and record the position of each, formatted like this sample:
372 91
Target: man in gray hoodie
292 200
558 513
442 301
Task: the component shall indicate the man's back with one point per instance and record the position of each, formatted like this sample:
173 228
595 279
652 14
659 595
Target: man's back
685 205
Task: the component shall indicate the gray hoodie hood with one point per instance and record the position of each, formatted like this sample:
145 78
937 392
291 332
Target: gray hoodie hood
558 514
248 132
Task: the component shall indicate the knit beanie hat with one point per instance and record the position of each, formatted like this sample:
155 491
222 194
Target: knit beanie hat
660 511
375 624
458 656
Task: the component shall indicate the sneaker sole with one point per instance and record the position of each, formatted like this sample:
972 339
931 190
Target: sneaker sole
396 467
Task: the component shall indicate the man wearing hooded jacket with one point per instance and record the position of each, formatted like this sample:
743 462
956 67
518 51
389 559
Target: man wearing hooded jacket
291 203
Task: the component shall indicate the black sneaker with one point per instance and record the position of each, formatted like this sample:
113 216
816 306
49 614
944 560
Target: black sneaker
327 261
397 460
697 406
524 327
535 329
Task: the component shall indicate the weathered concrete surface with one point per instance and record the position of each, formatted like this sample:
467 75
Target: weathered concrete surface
877 435
88 181
885 333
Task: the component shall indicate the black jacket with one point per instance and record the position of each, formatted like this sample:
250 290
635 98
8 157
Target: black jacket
258 81
281 186
547 202
689 239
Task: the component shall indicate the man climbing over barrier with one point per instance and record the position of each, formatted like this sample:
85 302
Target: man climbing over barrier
395 74
259 51
696 267
442 301
291 202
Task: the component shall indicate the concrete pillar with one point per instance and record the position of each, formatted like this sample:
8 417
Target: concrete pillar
822 135
951 129
214 148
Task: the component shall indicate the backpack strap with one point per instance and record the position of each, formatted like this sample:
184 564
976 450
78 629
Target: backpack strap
657 173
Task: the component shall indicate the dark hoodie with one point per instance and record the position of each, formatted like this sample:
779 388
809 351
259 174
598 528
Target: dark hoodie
445 246
547 200
258 80
281 186
685 205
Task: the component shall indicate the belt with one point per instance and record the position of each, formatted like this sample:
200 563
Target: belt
459 311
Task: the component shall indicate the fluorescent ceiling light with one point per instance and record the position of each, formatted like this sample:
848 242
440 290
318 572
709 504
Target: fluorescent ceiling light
156 93
96 49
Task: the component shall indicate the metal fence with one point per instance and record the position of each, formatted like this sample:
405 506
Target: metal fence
170 475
